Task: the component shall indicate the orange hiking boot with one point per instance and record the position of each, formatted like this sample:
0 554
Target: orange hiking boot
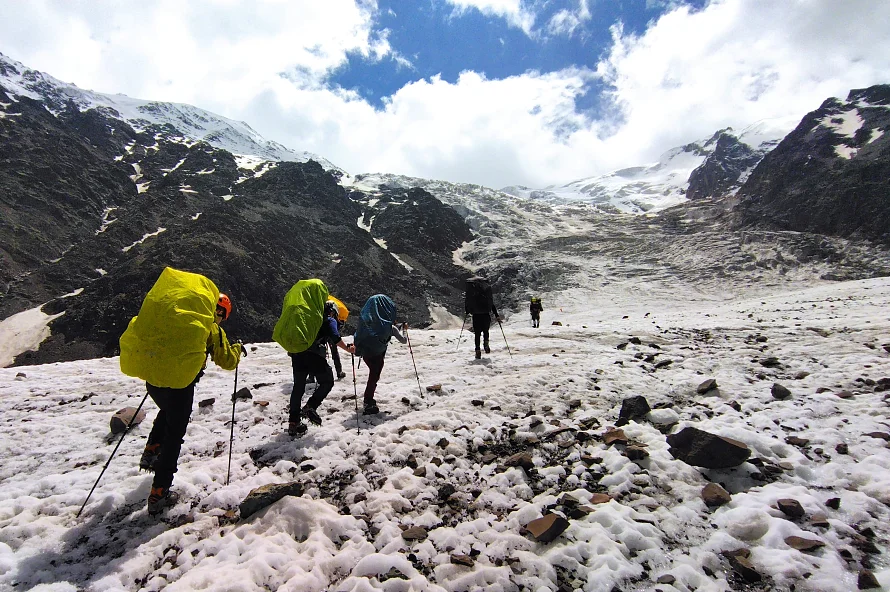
149 456
161 498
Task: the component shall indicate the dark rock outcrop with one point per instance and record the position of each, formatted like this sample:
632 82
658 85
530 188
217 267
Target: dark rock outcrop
719 174
829 175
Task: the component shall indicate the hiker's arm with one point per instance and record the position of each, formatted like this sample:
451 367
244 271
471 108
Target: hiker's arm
223 354
398 334
345 346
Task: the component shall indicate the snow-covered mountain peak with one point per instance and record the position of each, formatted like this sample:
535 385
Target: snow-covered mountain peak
194 123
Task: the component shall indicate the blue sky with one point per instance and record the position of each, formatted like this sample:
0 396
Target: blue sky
435 38
493 92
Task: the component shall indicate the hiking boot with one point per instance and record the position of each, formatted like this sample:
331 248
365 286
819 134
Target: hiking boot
478 353
341 374
296 428
161 498
371 408
487 349
149 457
312 415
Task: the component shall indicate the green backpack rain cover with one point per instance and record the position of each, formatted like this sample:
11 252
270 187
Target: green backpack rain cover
166 343
301 316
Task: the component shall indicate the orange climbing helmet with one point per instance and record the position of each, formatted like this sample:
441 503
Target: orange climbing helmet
224 306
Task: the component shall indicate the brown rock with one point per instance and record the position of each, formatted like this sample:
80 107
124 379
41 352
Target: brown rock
666 579
415 533
267 495
125 417
743 566
547 528
261 403
844 394
802 544
796 441
462 560
599 498
615 436
636 453
521 459
434 388
779 392
791 508
833 503
880 435
714 495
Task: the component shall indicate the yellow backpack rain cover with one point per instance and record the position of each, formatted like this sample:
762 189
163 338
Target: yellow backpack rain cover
301 316
342 311
166 343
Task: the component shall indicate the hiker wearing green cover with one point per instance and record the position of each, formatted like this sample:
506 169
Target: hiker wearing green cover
305 329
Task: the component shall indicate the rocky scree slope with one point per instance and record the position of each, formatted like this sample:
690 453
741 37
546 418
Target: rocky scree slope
152 198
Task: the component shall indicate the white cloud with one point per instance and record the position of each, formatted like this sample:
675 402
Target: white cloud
566 22
732 63
512 11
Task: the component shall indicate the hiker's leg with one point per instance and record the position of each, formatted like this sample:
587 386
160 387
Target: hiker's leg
335 356
177 407
319 367
158 427
375 368
296 395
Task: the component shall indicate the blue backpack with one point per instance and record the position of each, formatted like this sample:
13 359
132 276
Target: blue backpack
375 326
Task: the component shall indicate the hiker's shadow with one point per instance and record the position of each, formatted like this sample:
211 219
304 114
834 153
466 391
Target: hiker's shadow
95 548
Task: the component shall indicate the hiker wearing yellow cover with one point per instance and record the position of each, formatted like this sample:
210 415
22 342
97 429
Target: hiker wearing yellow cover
166 345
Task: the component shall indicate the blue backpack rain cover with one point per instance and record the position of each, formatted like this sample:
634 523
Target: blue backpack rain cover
375 326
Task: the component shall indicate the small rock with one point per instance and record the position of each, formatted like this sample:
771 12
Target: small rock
743 566
791 508
261 403
462 560
706 386
267 495
801 375
547 528
880 435
556 324
666 579
442 443
802 544
770 362
243 394
714 495
521 459
867 579
703 449
434 388
614 437
844 394
125 417
477 403
599 498
632 408
820 521
834 503
20 375
842 448
780 392
735 405
415 533
636 453
206 403
796 441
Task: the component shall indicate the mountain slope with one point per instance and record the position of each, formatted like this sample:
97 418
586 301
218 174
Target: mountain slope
830 174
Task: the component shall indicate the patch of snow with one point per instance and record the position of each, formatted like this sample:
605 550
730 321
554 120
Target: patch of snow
101 271
363 226
196 216
142 187
846 124
106 219
22 332
143 239
399 259
227 197
875 134
186 189
70 294
844 151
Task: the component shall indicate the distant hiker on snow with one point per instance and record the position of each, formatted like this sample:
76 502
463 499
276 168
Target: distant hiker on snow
305 328
376 326
166 345
535 308
480 303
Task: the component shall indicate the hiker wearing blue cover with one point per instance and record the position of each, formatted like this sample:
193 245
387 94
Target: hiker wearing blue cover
376 326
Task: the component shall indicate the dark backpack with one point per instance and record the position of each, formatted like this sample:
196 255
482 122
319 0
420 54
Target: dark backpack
478 298
375 326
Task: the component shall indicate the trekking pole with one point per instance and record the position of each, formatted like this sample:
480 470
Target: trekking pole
505 338
461 333
232 428
129 425
358 426
413 362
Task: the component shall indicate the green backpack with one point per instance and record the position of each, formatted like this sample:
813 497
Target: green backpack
301 316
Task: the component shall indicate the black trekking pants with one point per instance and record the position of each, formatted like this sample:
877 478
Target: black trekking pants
481 325
305 363
168 430
375 368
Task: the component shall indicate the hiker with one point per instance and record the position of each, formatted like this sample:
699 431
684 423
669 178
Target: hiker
535 308
305 329
376 326
480 304
341 314
166 345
